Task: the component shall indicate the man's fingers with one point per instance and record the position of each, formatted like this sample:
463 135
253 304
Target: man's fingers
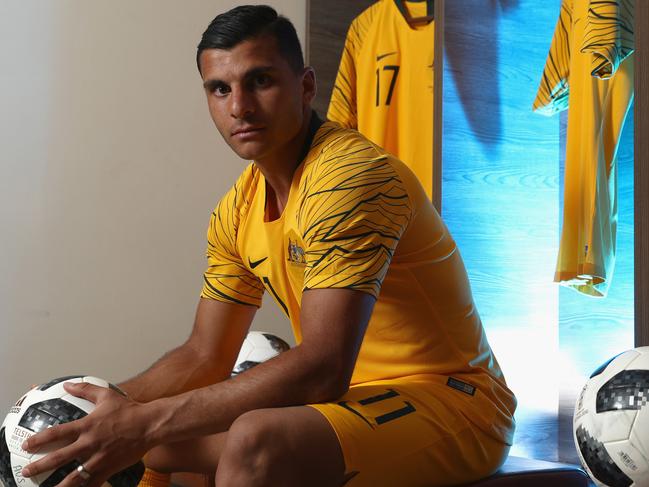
51 461
85 390
83 477
63 433
87 476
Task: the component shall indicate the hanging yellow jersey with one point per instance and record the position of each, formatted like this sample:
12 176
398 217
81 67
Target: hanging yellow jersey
384 86
590 71
358 218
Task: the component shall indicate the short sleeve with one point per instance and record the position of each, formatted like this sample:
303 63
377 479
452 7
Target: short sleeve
226 277
355 210
609 35
553 92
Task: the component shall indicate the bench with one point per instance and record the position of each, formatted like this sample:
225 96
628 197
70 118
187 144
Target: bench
526 472
516 472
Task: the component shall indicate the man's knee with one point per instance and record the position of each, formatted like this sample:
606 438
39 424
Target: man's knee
161 459
254 440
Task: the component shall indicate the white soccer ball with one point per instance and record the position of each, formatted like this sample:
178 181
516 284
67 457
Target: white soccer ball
43 407
611 421
257 348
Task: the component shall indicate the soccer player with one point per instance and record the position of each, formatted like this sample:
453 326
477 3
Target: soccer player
392 381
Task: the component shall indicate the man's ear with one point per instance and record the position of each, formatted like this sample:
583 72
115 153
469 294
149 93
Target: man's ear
309 85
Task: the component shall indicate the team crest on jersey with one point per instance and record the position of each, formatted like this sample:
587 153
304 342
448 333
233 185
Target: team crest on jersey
296 253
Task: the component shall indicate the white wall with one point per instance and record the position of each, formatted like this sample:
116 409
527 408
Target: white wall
109 169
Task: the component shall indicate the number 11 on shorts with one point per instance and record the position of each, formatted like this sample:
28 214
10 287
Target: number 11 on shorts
368 403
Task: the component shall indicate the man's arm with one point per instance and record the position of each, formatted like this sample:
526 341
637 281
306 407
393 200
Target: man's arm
205 358
317 370
120 431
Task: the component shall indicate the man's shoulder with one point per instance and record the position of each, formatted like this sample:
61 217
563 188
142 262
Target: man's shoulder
247 178
240 194
334 144
342 150
344 167
345 162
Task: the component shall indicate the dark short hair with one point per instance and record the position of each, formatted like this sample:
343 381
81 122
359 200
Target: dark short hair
250 21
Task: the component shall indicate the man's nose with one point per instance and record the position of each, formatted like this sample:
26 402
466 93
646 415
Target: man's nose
242 103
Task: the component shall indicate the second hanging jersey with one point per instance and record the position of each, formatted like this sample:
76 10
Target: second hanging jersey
384 86
589 70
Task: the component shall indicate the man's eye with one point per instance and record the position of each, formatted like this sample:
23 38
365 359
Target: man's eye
221 90
262 80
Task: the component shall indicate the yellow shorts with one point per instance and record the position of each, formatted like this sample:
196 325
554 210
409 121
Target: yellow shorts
408 434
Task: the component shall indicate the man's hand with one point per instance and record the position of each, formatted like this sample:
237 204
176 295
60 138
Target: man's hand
111 438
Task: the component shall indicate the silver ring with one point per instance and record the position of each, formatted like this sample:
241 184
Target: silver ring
83 473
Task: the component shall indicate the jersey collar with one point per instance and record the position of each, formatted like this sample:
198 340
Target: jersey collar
430 9
314 124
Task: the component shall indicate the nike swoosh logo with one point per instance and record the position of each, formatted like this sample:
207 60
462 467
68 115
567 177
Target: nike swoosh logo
255 263
378 58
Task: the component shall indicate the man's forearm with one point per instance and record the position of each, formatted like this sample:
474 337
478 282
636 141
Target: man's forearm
205 358
180 370
286 380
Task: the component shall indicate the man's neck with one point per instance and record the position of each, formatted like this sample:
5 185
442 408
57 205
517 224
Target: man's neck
278 169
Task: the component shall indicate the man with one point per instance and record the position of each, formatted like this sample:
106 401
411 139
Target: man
392 381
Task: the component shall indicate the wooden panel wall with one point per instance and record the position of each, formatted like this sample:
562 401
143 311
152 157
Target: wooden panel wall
327 27
642 174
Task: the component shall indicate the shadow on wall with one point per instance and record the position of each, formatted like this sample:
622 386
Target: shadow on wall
471 56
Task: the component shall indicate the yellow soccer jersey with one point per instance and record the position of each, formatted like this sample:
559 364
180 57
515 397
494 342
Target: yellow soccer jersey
384 86
358 218
590 70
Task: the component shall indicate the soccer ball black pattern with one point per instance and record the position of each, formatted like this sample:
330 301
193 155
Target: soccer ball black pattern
39 409
257 348
611 421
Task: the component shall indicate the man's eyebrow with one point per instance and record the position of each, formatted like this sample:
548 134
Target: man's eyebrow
212 84
259 70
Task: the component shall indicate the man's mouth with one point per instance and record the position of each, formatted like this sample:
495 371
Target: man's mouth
248 131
